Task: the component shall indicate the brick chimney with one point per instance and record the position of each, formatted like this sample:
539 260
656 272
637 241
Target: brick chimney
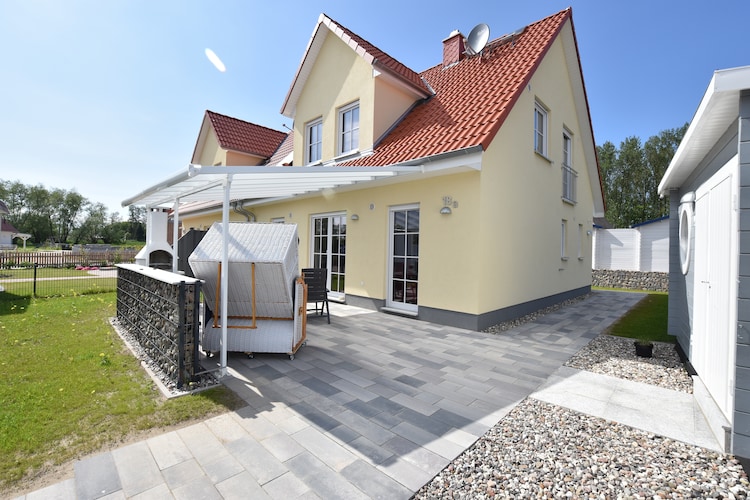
453 48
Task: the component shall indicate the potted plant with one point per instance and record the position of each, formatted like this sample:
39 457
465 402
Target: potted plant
644 348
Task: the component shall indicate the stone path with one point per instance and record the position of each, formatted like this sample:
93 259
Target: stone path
372 407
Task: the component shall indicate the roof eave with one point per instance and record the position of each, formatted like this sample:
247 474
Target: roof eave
718 108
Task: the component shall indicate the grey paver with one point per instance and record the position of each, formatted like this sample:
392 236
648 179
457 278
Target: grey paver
242 485
96 476
323 480
182 474
256 459
64 490
168 450
372 407
137 468
324 448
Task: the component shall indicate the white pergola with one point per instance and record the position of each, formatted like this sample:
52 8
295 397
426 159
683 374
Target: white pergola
227 183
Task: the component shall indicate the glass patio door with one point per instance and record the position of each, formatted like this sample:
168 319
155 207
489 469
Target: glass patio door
403 269
329 250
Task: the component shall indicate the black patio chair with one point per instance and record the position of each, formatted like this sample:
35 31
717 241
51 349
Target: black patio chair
317 292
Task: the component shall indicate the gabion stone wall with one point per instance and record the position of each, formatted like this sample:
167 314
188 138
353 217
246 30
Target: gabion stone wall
631 280
160 310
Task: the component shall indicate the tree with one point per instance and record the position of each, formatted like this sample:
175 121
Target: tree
137 223
92 228
631 176
70 206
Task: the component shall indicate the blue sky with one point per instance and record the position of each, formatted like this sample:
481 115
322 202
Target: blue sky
107 97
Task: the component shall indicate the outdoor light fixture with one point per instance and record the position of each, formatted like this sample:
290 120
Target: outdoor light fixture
355 217
447 203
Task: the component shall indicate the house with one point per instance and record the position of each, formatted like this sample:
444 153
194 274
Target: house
708 184
414 189
7 231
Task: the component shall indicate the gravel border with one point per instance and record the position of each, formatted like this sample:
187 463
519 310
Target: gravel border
166 385
540 450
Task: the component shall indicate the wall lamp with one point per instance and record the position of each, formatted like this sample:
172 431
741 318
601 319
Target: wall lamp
448 202
354 217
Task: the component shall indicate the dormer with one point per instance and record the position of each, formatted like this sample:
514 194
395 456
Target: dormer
346 95
224 140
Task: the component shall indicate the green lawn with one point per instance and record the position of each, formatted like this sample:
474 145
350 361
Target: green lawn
646 321
70 387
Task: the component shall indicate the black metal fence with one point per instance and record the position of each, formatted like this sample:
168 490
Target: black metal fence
59 273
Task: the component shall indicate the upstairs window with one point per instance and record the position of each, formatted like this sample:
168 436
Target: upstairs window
313 141
540 129
348 137
569 176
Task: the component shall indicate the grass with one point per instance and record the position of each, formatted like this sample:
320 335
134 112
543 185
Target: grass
646 321
56 288
28 272
70 387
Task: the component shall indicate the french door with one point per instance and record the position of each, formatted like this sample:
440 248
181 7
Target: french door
403 268
329 250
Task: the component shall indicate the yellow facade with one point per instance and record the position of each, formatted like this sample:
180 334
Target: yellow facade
501 245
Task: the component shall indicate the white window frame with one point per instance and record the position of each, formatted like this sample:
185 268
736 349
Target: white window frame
541 120
569 175
309 156
580 241
564 240
343 132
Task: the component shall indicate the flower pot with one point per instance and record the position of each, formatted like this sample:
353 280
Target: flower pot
644 350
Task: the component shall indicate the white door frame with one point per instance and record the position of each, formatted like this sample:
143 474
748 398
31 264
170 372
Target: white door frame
389 302
332 294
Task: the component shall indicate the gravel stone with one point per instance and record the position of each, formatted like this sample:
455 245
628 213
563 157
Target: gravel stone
615 356
540 450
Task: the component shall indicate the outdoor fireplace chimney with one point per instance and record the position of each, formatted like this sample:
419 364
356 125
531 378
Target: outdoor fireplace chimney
157 252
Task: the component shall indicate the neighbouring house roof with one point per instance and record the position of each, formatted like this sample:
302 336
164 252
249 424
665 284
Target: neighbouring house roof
7 227
238 135
3 208
718 108
652 221
373 55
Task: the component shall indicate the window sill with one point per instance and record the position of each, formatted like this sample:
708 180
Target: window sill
581 259
543 156
346 155
564 259
569 201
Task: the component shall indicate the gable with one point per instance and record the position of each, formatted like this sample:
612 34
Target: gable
224 140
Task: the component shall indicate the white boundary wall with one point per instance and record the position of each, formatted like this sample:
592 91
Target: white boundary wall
642 248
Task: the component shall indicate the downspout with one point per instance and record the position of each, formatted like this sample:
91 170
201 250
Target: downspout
237 206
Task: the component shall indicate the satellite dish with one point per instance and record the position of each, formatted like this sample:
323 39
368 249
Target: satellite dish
478 38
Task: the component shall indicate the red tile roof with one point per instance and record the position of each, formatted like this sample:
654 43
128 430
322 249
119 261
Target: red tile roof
245 137
472 97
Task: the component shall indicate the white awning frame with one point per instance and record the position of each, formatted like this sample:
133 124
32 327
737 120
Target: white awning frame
206 183
214 183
